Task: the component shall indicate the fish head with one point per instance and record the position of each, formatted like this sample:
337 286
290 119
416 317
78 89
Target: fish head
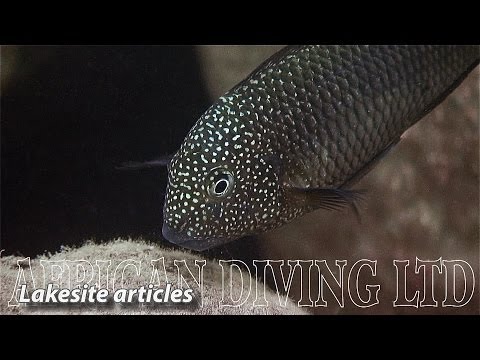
220 185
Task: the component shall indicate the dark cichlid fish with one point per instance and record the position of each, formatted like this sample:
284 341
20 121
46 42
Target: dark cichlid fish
298 133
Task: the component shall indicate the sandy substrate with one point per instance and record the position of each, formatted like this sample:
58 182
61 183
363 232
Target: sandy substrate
142 253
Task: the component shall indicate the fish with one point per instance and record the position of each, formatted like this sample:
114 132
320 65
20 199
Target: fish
298 133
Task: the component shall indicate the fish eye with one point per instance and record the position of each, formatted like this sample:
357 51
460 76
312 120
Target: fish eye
220 182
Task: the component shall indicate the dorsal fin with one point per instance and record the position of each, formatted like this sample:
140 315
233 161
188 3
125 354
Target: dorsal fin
272 60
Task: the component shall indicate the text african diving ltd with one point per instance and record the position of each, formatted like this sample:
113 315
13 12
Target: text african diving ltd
419 283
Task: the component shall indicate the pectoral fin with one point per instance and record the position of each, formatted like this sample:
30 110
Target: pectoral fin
138 165
329 199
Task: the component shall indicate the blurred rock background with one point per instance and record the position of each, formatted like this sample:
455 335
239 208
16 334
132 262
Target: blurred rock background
68 114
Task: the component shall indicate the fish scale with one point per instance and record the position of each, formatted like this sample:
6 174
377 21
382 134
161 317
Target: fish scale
298 132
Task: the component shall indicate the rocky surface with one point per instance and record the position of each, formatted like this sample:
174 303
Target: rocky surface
141 252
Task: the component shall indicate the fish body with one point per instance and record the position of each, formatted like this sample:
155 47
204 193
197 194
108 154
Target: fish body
297 133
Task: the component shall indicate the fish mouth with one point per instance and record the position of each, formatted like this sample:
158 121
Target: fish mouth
182 239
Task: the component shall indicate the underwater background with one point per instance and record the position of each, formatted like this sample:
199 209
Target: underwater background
69 114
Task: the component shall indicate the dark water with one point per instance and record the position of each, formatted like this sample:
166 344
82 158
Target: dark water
68 115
